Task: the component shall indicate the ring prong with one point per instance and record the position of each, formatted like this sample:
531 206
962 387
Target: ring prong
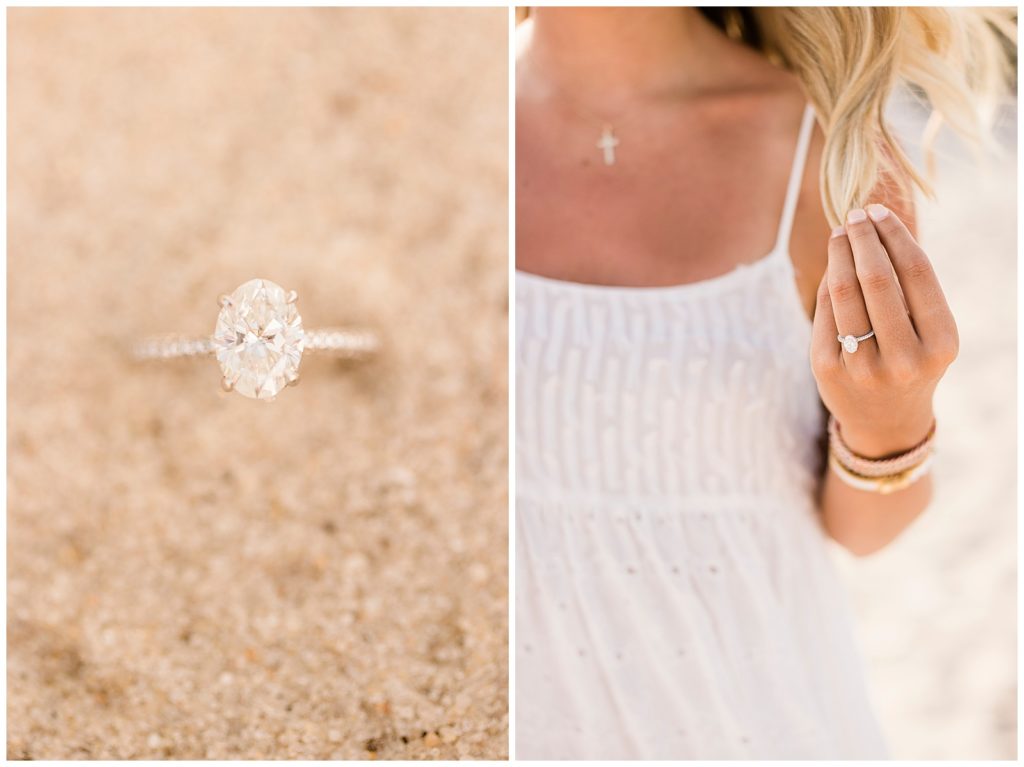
292 297
223 300
227 384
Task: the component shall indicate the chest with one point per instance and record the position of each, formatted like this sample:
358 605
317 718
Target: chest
685 200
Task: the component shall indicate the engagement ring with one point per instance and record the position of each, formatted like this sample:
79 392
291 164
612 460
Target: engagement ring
850 343
259 341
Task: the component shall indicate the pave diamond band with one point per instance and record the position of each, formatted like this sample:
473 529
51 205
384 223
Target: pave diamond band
259 341
343 343
850 343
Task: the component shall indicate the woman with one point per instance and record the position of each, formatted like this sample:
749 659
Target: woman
675 597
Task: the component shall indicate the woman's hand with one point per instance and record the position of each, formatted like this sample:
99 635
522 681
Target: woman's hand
881 395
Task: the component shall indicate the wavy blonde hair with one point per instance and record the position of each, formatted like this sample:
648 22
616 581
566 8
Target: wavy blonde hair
961 61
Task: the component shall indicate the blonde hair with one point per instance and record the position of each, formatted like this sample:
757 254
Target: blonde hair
849 60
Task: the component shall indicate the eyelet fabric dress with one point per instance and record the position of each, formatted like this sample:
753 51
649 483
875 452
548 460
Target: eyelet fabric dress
675 597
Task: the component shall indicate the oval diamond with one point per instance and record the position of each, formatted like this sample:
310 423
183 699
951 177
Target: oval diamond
850 343
259 339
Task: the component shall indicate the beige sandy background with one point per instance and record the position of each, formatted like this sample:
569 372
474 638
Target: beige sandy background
192 574
937 610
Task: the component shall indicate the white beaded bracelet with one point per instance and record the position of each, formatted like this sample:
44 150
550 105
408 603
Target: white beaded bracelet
884 485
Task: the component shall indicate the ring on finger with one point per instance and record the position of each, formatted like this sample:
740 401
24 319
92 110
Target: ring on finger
850 343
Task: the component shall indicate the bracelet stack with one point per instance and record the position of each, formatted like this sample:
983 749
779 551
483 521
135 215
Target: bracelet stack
879 475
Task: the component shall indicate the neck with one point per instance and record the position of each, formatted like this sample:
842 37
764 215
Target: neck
616 53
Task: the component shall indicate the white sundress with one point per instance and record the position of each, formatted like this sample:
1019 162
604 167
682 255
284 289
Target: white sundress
675 598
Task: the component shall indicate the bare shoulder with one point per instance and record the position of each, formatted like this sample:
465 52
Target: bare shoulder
754 90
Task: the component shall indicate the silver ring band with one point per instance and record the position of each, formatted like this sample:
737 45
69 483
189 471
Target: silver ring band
342 343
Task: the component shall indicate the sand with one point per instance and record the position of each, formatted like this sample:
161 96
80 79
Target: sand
937 610
192 574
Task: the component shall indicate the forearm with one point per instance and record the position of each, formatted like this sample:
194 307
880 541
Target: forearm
863 521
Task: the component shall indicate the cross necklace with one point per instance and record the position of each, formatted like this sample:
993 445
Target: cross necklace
607 144
609 140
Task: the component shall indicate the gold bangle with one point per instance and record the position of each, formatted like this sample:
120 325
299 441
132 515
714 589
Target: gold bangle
884 485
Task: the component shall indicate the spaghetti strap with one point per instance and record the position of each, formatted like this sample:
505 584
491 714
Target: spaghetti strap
796 175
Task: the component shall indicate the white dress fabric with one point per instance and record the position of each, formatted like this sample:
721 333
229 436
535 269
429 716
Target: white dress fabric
675 598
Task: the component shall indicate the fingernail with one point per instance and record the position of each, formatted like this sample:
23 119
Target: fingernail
877 212
856 215
839 231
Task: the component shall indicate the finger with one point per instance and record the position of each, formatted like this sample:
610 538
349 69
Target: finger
844 292
929 311
825 351
878 285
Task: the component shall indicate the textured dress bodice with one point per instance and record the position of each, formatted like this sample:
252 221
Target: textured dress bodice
667 393
674 592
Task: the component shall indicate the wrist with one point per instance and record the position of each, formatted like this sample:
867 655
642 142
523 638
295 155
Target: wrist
889 439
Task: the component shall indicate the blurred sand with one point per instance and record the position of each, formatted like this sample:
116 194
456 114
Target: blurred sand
192 574
937 610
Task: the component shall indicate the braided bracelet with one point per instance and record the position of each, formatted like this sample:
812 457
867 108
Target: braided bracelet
877 467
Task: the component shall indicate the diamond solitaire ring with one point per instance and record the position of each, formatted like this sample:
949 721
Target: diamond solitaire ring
259 341
850 343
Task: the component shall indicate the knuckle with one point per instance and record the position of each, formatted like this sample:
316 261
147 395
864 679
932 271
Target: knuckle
824 362
903 369
875 281
823 297
917 264
864 375
953 335
945 347
843 289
